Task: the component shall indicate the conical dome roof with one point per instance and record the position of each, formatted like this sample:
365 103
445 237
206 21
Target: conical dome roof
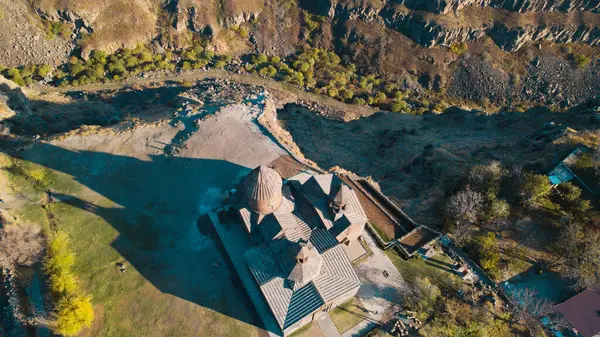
262 187
307 265
342 196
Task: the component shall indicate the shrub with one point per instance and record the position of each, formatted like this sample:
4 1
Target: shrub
220 64
580 60
99 56
54 28
76 68
243 32
332 92
43 70
398 106
459 48
259 59
381 97
359 101
398 94
186 65
14 75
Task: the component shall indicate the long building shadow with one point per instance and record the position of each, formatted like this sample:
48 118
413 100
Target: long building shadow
159 203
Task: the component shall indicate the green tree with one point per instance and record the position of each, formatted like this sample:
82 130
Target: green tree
14 75
398 106
534 188
488 253
43 70
99 56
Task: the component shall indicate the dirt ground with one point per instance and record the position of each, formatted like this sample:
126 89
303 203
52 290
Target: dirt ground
419 160
127 200
23 42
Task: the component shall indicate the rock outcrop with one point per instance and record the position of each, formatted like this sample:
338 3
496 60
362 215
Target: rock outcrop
113 24
510 31
327 7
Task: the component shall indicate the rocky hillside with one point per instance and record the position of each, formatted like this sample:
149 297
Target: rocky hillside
494 51
447 6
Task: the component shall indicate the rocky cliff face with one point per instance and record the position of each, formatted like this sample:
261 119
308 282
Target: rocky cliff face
430 29
447 6
114 23
521 6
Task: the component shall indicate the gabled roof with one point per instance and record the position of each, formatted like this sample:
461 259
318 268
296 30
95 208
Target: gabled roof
320 190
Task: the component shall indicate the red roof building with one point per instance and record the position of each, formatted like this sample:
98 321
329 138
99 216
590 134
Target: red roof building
583 311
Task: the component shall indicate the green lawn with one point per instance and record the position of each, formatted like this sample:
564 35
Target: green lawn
348 314
435 269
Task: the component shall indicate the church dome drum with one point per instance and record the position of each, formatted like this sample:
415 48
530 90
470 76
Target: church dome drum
262 188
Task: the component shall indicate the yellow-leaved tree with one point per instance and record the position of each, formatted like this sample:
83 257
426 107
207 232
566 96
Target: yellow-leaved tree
74 310
73 314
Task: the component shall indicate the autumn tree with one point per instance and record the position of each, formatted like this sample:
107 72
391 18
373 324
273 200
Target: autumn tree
73 313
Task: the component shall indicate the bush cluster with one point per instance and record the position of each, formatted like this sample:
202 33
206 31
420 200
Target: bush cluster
323 72
26 75
313 69
74 309
580 60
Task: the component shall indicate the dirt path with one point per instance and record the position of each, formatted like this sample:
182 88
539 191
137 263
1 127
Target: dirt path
292 93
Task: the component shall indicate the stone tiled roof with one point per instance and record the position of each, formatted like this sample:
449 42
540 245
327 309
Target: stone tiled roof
337 277
322 240
301 265
290 302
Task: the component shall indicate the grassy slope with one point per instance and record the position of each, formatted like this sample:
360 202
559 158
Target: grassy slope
414 268
131 305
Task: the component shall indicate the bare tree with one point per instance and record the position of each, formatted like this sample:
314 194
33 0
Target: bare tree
596 161
581 255
529 308
20 245
465 205
485 176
